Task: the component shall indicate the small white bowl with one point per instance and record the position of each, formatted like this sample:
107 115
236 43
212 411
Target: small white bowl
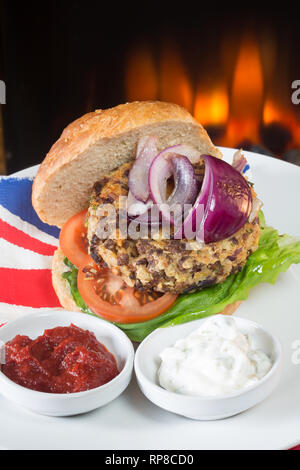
147 362
66 404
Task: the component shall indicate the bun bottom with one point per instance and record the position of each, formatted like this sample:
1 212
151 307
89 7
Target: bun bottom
231 308
64 295
60 284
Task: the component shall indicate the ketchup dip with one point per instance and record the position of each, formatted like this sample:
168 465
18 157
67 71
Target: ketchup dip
65 359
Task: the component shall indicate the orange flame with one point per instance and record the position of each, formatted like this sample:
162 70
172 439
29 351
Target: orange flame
275 113
247 94
175 86
234 102
211 107
141 78
271 113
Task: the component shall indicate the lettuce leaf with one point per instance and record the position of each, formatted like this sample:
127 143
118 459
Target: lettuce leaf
71 277
274 255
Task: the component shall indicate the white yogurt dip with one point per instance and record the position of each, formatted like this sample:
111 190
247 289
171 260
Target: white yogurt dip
216 359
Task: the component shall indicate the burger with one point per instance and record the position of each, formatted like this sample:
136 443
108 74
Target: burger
156 229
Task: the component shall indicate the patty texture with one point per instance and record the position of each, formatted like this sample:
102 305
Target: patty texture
157 263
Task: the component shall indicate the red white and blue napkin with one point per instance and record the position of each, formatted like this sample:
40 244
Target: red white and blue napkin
26 249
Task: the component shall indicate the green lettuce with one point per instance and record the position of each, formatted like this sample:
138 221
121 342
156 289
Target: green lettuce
274 255
71 277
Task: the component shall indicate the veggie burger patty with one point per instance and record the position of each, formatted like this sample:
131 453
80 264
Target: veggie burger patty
164 265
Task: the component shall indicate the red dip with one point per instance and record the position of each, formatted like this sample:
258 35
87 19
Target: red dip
66 359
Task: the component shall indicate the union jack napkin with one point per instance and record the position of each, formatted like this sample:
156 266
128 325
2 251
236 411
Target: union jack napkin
26 249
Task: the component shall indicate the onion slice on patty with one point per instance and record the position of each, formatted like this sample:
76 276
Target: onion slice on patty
138 175
224 203
220 209
166 164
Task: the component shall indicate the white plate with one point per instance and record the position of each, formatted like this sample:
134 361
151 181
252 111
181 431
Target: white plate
133 422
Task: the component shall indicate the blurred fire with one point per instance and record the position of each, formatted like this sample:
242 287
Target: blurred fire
271 112
212 106
141 79
165 79
246 96
240 104
280 114
175 85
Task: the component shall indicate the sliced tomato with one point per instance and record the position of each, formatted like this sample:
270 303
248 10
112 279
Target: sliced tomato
73 238
108 296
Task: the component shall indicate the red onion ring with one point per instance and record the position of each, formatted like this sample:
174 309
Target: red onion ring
138 175
226 199
186 186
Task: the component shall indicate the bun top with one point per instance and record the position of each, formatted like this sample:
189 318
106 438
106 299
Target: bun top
101 141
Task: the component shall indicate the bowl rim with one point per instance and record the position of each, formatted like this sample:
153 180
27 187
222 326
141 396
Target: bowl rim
141 377
128 366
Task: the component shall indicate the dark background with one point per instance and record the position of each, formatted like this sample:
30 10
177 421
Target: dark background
60 60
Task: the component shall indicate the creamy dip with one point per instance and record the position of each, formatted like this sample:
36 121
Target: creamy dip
215 359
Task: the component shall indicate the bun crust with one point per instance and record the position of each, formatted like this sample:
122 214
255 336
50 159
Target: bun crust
63 292
101 141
